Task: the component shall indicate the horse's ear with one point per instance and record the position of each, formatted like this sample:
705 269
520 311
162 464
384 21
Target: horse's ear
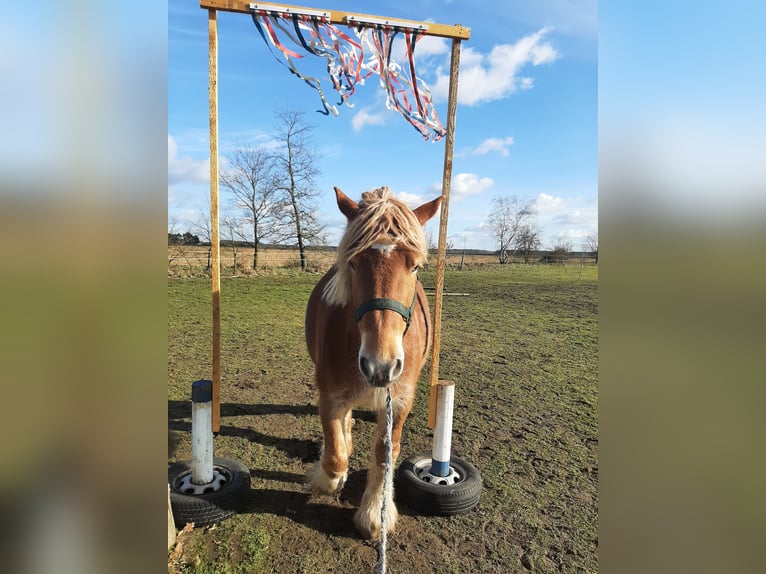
347 206
427 210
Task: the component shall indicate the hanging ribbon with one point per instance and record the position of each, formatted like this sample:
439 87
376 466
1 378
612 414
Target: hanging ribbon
351 61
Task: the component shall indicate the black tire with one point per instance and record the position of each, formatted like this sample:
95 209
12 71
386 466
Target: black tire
435 499
209 508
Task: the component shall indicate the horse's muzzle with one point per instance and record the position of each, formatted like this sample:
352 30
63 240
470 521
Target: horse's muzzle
380 374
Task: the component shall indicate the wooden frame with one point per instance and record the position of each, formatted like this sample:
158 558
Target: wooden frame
338 17
215 243
457 33
441 254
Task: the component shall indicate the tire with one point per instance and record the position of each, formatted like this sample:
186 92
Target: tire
435 499
211 507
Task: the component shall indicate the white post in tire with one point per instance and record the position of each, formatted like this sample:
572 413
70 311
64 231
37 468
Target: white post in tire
440 454
202 432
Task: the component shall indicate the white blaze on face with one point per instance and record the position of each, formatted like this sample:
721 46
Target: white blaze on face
376 356
385 248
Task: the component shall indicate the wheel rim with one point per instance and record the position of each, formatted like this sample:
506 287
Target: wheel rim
183 482
423 472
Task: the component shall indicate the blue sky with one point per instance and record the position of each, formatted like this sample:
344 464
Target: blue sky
526 120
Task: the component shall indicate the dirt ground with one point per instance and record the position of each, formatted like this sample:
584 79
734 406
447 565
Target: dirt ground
522 350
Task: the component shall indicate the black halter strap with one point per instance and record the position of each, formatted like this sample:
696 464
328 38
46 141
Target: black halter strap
385 304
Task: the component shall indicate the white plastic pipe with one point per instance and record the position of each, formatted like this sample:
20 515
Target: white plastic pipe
445 402
202 432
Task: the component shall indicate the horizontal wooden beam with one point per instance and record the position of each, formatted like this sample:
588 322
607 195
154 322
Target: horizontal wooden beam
457 31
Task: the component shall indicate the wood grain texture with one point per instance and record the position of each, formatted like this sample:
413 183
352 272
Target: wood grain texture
441 257
215 260
339 17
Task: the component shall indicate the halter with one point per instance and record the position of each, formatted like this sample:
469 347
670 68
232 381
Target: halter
385 304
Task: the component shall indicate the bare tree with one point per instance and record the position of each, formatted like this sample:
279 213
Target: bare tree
172 225
509 215
429 233
250 179
181 244
527 241
590 243
296 168
462 255
230 225
202 226
561 250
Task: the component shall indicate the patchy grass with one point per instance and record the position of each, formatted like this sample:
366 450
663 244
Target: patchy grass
522 349
231 547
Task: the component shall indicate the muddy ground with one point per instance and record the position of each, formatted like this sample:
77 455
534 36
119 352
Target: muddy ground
522 349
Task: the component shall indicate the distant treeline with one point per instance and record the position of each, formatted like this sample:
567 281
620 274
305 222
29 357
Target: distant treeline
183 239
191 239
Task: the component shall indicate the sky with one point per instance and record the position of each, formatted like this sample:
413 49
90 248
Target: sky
681 94
526 118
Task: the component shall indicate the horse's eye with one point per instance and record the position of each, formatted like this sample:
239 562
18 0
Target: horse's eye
416 268
351 265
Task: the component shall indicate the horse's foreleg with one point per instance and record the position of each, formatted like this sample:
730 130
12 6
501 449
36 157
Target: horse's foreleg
329 473
348 424
367 518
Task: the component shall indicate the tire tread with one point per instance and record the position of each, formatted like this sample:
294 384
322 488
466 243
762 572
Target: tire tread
207 509
434 499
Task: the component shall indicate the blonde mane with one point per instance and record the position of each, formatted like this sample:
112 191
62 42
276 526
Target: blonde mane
381 219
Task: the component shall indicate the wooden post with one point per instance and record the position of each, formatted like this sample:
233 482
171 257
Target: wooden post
441 258
456 33
212 29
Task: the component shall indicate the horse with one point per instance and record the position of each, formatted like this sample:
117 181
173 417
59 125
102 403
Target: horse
368 330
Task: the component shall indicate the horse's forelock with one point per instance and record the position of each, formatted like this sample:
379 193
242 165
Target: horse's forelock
381 219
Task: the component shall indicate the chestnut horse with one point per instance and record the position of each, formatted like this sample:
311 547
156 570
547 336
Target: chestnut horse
368 330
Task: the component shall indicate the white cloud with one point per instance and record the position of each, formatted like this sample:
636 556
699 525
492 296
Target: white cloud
465 184
494 144
364 118
574 236
574 216
548 204
426 47
567 218
431 46
185 169
485 78
411 199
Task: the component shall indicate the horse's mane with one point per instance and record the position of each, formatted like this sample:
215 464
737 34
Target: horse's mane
381 219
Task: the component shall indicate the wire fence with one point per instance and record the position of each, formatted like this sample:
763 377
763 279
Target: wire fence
192 261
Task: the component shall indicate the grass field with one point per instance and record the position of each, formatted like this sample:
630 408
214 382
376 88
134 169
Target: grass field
522 349
185 261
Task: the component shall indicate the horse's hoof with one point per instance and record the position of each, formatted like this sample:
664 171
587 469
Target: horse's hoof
320 482
368 527
367 521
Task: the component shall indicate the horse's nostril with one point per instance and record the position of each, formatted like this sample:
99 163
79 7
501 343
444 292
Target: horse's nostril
364 366
397 369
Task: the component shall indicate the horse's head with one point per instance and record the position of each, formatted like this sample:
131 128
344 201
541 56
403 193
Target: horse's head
384 248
